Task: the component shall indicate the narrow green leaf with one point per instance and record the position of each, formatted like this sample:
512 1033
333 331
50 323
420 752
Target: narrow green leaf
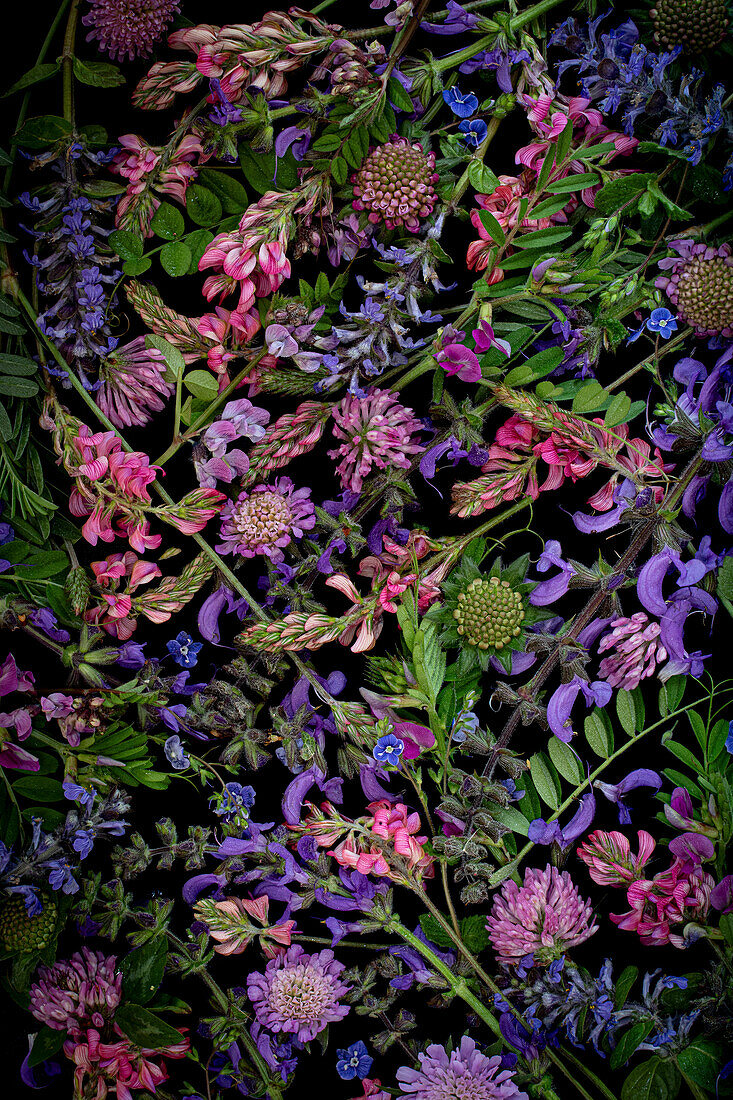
34 76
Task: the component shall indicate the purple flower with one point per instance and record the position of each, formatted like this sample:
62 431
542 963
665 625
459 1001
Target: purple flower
615 792
78 992
461 104
563 698
353 1062
175 754
463 1072
692 849
298 994
543 832
84 796
223 599
456 359
60 877
547 592
721 897
45 620
184 650
131 655
297 138
458 21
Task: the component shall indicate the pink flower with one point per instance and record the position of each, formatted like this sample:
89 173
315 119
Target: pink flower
609 859
394 586
375 431
679 895
544 917
455 359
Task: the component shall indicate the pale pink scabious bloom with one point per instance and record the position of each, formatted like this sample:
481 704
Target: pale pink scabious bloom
377 432
700 286
609 858
265 520
78 992
128 28
118 1065
460 1074
544 917
299 994
134 384
395 184
637 650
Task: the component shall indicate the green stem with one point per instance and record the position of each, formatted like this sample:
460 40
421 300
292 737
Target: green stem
532 13
455 59
67 62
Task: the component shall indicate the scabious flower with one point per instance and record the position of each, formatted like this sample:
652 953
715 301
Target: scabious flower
695 25
544 917
376 431
27 923
395 184
128 28
462 1072
265 520
699 283
299 994
79 992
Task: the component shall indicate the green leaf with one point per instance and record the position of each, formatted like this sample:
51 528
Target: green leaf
545 171
202 384
47 563
513 819
39 788
144 1028
6 428
198 242
136 266
34 76
618 192
17 387
327 143
173 358
20 365
626 712
339 170
670 695
202 206
229 191
577 182
51 818
537 366
701 1062
563 143
434 931
481 178
590 398
652 1080
258 168
628 1043
565 761
399 96
175 258
492 227
599 733
167 222
351 152
546 238
544 780
127 245
42 131
100 74
546 209
626 980
474 933
143 970
45 1044
618 410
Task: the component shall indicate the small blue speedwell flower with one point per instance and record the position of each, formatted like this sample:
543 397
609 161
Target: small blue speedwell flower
353 1062
661 321
474 132
175 754
462 105
184 650
388 749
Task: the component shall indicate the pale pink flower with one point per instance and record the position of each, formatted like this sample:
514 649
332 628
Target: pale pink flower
609 858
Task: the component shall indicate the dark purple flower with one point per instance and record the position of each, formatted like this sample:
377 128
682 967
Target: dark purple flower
615 792
547 592
297 138
131 655
543 832
563 698
721 897
692 848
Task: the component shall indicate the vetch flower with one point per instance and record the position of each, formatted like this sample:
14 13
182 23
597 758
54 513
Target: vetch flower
544 832
459 1074
609 859
615 792
544 917
353 1062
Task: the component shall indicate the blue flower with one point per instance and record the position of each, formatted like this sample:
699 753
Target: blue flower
83 842
354 1062
388 749
60 877
76 793
233 801
729 739
184 650
174 753
462 105
663 322
474 132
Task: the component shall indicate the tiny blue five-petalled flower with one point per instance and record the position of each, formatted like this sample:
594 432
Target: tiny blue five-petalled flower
388 749
184 650
353 1062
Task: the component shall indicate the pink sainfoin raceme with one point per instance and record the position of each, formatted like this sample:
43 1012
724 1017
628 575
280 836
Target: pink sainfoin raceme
134 384
376 431
460 1074
299 994
229 925
609 858
117 1065
396 184
699 285
149 169
265 520
544 917
79 992
636 650
128 28
392 823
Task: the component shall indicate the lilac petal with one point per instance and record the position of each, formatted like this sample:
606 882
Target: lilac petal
725 507
208 616
295 793
641 777
581 820
721 896
651 579
693 494
559 708
339 928
590 525
372 788
681 802
692 848
196 885
544 832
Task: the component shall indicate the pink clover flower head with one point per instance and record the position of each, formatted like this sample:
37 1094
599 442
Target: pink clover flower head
265 520
299 994
78 992
462 1073
128 28
544 917
134 384
376 431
